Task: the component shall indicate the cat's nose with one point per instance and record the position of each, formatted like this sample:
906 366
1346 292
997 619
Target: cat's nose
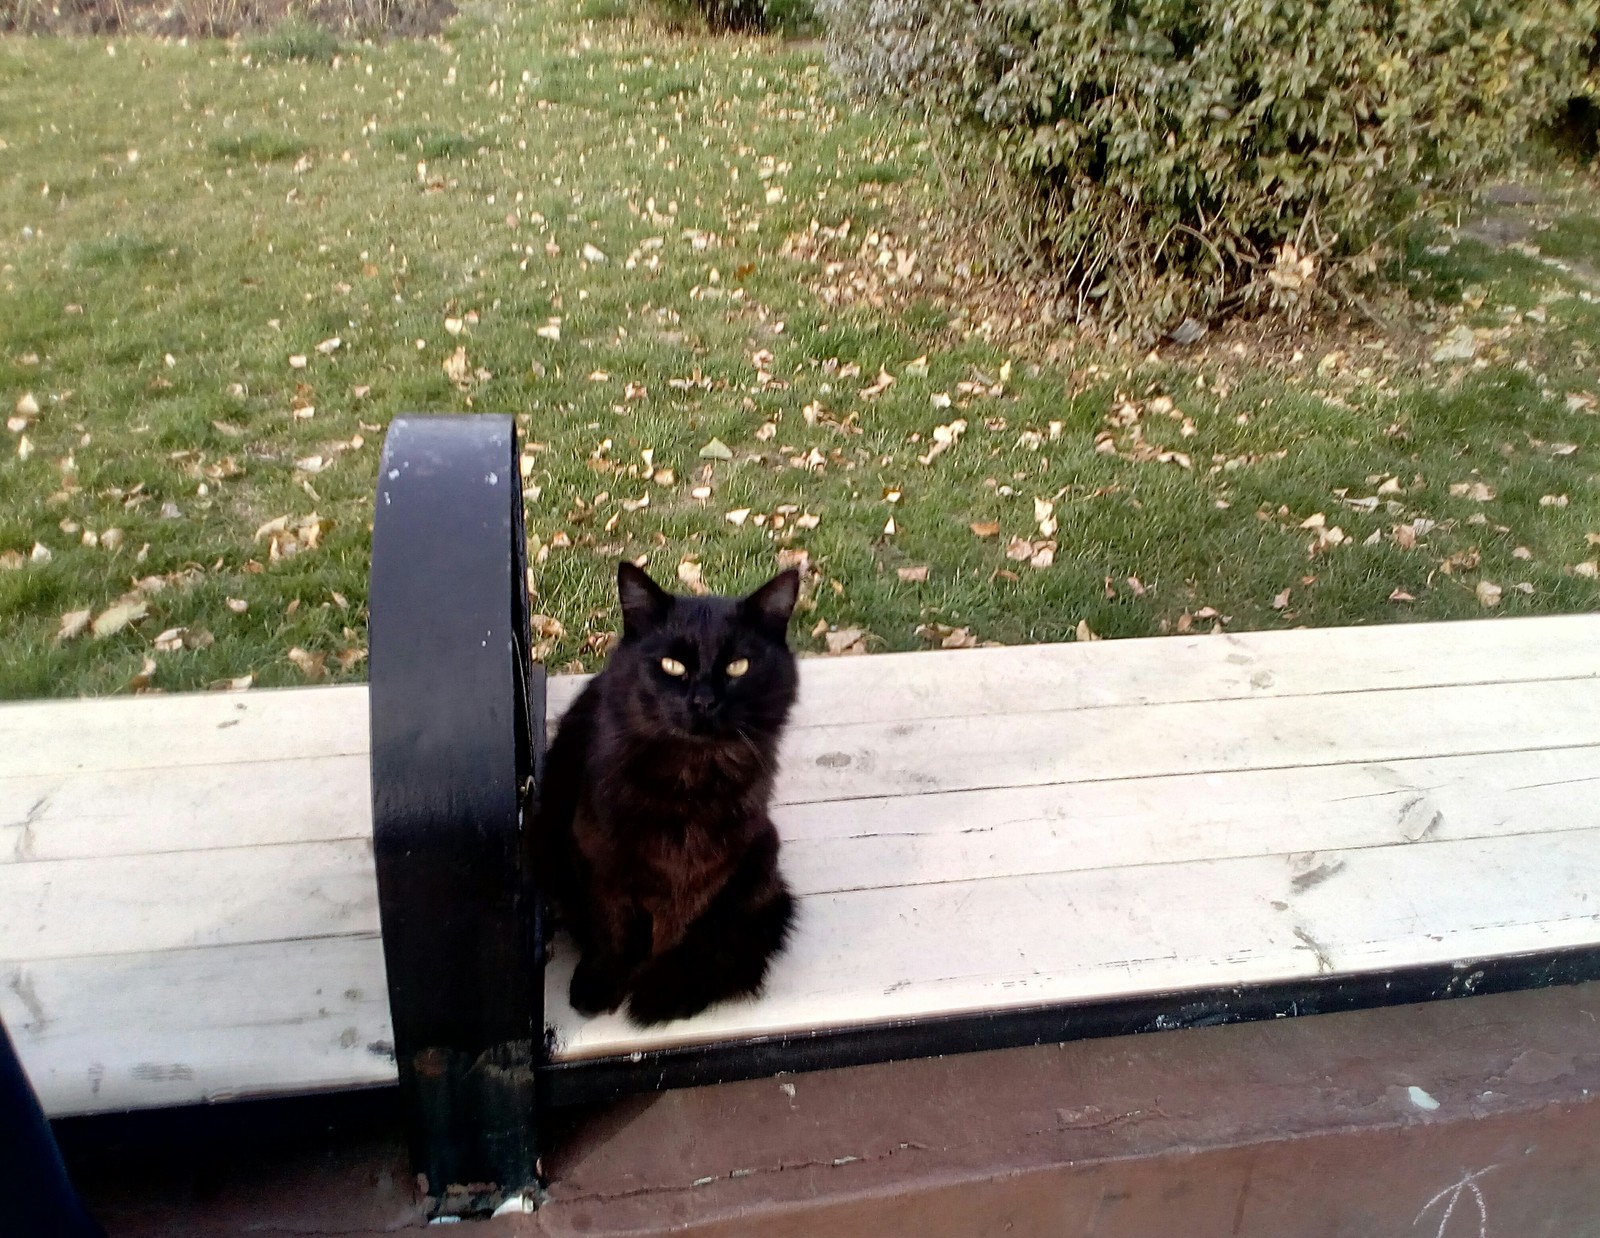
701 702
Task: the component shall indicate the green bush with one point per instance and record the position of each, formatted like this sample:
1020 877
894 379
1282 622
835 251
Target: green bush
1186 158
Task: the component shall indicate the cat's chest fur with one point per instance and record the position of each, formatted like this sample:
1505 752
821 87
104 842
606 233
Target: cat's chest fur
676 808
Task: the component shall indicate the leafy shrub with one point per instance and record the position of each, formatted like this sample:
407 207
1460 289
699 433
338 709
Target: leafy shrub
1173 158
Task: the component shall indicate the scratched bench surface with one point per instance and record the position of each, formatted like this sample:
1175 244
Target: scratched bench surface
188 908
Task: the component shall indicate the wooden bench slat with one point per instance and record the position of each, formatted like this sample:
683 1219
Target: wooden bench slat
901 952
181 731
1062 827
177 1027
178 900
900 687
97 814
1147 741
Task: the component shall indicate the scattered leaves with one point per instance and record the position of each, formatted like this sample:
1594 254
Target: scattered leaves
946 637
944 438
119 615
845 642
314 666
73 625
286 539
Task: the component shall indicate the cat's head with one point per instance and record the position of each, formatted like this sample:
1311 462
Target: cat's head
708 667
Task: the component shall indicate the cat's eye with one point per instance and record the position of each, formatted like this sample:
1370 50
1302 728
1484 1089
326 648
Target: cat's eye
738 667
673 667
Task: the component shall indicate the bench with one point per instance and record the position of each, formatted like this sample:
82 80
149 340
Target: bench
991 848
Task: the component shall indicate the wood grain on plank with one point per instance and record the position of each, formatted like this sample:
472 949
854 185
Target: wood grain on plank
866 956
181 1027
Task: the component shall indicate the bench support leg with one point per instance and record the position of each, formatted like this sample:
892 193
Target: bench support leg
457 734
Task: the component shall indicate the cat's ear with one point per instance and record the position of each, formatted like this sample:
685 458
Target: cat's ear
770 606
644 603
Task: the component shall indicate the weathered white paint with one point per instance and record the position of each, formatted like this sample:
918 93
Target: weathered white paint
188 910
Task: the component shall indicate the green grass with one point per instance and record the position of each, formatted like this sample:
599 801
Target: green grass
230 215
294 41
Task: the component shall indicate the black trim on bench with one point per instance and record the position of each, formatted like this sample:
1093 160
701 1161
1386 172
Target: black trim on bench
457 715
607 1078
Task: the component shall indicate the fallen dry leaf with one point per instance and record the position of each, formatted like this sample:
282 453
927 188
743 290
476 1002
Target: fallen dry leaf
146 676
689 574
985 528
1281 600
1553 500
312 665
457 368
738 516
947 637
287 537
944 438
1488 593
545 627
912 575
1589 569
716 449
1400 595
1477 491
1084 631
845 641
73 625
118 616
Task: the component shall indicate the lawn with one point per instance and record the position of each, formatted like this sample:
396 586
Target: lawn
223 269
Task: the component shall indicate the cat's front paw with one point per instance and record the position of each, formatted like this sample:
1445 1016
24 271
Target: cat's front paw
595 990
662 996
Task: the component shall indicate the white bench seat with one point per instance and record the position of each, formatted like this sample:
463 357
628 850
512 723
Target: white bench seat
188 909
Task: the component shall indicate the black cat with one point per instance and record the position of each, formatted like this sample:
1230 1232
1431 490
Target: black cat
653 827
